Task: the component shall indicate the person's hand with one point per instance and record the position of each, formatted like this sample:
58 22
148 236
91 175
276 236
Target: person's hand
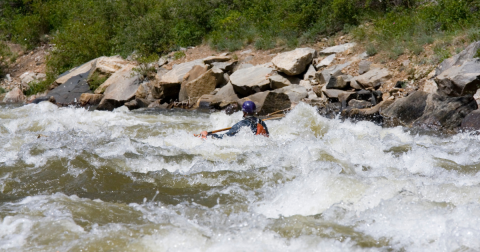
204 134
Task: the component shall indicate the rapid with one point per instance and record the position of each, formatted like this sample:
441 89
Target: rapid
79 180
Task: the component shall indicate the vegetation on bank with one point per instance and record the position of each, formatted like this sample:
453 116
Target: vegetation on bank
85 29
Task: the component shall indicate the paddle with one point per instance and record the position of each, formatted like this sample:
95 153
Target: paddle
220 130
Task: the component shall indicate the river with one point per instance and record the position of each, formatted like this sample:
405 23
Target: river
78 180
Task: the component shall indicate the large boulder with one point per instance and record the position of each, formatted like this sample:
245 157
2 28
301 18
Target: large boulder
137 103
324 76
471 121
121 91
338 48
294 92
204 84
326 61
14 96
70 91
64 77
219 58
294 62
104 67
223 98
460 80
193 74
268 102
281 80
374 78
119 75
251 80
445 113
405 111
178 72
90 99
226 67
459 59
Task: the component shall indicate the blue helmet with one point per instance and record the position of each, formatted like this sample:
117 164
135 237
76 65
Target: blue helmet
249 107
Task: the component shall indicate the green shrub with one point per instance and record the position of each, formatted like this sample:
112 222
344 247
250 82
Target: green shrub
96 80
477 55
371 50
2 90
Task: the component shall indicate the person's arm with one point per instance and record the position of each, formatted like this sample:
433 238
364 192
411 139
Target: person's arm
232 132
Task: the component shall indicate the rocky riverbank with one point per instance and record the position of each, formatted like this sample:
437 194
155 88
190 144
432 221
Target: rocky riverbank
340 81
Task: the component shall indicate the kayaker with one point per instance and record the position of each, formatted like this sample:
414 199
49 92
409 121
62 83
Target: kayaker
257 126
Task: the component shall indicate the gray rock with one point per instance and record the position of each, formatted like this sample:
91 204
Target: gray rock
193 74
246 52
73 72
460 80
212 59
294 62
340 82
471 121
119 75
374 78
326 61
359 104
121 91
227 67
294 92
242 66
158 105
324 76
430 86
70 91
137 103
338 48
14 96
251 80
278 81
445 113
459 59
8 77
405 111
162 61
179 71
268 102
310 74
364 66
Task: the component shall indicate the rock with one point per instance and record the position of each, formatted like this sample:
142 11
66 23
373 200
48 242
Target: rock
324 76
27 77
280 81
460 80
144 90
207 101
90 99
108 65
158 105
364 66
8 77
122 90
359 104
340 82
459 59
226 95
445 113
429 87
294 92
85 68
246 52
326 61
251 80
119 75
14 96
212 59
405 111
165 92
268 102
204 84
335 93
476 96
137 103
226 67
471 121
330 110
306 84
70 91
178 72
193 74
294 62
310 74
373 79
338 48
242 66
162 61
372 114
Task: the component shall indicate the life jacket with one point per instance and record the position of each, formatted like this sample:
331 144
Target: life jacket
260 129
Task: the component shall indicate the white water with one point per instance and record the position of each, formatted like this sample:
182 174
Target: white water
314 185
